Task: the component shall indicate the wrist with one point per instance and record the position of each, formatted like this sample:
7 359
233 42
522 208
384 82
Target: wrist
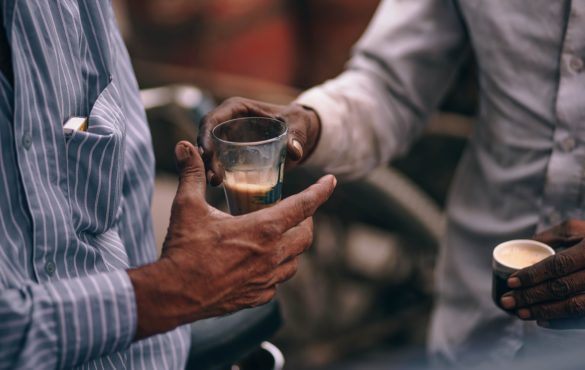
156 299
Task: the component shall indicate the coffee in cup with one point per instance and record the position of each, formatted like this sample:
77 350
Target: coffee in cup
250 194
252 152
511 256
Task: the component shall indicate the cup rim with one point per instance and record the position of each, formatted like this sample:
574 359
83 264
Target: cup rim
516 241
248 143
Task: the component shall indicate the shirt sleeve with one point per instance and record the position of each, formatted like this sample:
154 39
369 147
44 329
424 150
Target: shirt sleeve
65 323
400 69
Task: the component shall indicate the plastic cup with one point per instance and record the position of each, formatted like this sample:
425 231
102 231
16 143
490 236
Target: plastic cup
252 152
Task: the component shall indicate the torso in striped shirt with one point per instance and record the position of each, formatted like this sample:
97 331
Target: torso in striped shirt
74 211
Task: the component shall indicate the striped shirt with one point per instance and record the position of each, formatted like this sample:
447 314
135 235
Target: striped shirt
74 210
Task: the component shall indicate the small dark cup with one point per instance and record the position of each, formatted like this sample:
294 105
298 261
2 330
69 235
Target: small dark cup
504 263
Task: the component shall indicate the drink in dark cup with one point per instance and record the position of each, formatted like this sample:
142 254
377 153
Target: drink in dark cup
252 152
511 256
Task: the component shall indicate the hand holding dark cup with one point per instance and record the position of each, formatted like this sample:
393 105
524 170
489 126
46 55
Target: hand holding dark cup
553 290
303 130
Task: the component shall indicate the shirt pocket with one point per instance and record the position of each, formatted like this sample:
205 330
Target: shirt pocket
95 165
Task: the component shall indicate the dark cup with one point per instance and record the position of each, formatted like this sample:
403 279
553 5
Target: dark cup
511 256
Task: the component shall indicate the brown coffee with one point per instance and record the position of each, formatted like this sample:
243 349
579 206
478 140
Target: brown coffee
245 198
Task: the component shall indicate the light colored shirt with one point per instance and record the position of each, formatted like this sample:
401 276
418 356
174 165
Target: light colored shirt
524 167
74 211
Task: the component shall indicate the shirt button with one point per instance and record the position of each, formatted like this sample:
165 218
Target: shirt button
568 144
50 268
26 140
576 64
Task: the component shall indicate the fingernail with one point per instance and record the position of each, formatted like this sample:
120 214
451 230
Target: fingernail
334 181
298 148
514 282
201 151
523 313
183 152
543 324
508 302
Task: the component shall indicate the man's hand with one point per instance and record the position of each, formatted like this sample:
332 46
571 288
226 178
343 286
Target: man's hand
553 290
214 263
303 130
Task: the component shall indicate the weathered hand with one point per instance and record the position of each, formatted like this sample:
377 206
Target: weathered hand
553 290
303 130
214 263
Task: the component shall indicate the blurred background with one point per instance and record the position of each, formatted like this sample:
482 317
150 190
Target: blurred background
364 291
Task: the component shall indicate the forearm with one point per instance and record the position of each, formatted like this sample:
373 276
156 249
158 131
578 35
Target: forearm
160 302
356 134
400 70
65 323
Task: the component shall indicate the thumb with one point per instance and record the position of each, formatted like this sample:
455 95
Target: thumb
191 169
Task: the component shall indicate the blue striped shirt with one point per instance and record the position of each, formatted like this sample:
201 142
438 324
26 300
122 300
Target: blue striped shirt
74 211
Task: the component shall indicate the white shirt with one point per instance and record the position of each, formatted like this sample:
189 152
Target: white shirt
524 167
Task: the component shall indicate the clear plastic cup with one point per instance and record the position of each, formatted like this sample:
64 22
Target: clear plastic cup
252 152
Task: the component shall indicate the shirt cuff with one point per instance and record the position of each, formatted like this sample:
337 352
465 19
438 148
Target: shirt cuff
330 115
95 315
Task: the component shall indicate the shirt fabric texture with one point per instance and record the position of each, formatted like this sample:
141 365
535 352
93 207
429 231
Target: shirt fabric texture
74 211
523 169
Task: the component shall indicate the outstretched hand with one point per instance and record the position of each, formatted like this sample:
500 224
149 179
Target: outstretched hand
303 130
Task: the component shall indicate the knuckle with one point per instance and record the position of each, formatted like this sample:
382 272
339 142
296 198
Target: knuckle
528 276
182 200
275 259
576 306
234 100
562 264
559 288
293 269
268 230
528 296
265 297
196 172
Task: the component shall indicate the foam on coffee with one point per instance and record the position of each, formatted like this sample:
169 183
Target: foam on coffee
519 256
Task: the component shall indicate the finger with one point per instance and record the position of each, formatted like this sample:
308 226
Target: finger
564 234
303 130
265 296
294 209
255 297
297 240
571 308
552 290
556 266
191 169
563 324
285 271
